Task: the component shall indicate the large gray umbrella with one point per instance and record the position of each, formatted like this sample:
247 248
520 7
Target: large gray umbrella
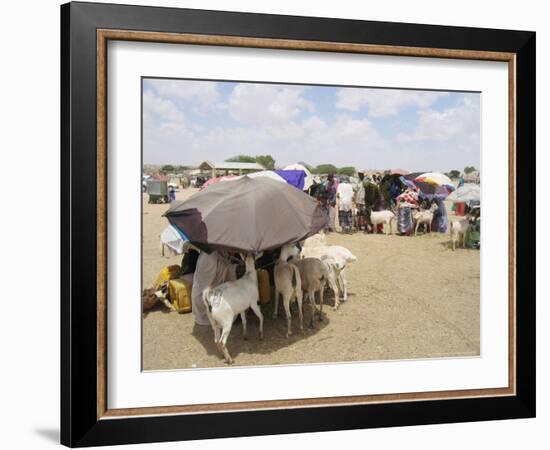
247 214
466 193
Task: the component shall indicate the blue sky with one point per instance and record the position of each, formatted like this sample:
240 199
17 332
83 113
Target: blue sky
186 122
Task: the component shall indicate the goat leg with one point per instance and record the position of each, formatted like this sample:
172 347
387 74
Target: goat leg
321 304
300 313
222 344
258 313
243 320
286 304
311 296
276 306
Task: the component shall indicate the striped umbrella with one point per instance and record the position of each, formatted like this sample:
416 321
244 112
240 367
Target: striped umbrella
436 179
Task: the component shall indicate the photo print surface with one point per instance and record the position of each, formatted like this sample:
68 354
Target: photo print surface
298 224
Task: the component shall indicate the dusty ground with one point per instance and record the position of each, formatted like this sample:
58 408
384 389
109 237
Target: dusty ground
409 297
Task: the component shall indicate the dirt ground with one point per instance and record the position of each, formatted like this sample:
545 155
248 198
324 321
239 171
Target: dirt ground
409 297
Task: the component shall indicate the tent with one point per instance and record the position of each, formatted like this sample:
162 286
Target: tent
308 179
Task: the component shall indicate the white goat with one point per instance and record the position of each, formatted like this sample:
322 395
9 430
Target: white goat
229 299
425 217
288 284
314 273
385 217
337 257
457 230
336 279
318 239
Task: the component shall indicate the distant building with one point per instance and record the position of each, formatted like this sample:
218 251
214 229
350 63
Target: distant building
229 168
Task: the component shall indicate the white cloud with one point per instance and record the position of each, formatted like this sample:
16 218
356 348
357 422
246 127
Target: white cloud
278 120
384 102
202 95
461 123
162 109
261 103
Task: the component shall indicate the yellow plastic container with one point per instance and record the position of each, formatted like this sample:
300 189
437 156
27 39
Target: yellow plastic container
166 274
179 293
264 288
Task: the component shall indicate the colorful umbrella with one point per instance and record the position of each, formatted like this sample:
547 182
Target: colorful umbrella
436 179
247 214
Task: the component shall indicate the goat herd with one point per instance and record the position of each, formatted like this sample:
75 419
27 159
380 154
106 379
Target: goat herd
299 273
296 273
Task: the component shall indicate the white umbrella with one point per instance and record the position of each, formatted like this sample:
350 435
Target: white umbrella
268 174
308 180
468 192
263 173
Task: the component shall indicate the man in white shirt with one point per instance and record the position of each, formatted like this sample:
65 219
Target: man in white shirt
345 197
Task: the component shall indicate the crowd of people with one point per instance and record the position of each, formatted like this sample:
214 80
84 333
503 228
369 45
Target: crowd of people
352 200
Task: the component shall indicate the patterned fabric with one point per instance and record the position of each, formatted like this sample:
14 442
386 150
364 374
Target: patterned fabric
404 221
409 196
332 187
359 189
345 218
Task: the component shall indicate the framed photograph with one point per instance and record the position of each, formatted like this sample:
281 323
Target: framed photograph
277 224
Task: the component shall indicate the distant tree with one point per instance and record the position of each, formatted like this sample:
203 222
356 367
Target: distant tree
348 170
326 168
241 158
469 169
167 168
454 174
266 160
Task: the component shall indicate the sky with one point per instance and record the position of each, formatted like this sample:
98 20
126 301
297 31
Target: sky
186 122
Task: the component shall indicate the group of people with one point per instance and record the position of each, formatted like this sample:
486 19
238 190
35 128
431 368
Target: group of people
364 194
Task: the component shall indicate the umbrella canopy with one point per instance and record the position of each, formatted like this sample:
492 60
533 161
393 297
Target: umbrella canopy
263 173
173 239
266 173
308 180
431 191
212 181
467 193
399 172
247 214
427 190
436 178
